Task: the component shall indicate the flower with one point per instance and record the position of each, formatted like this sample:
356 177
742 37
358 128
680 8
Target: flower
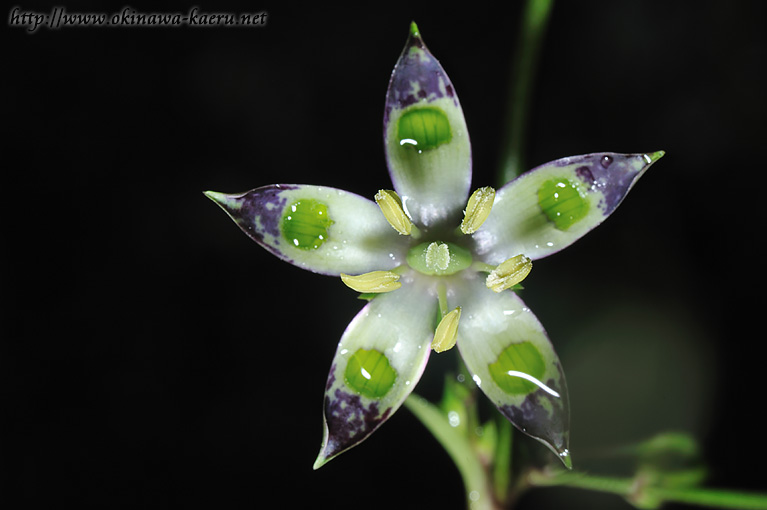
437 269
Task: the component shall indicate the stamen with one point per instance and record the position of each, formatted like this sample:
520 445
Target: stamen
391 207
509 273
447 331
373 282
442 299
478 209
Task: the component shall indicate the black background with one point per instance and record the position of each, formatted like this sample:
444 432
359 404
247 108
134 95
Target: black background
152 355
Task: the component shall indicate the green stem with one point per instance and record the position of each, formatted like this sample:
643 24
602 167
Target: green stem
502 459
715 498
633 490
533 28
479 493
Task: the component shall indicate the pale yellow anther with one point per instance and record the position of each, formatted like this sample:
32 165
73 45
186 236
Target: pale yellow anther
391 207
375 282
509 273
478 209
447 331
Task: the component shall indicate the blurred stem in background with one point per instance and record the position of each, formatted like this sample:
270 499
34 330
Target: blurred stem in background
668 468
535 18
641 494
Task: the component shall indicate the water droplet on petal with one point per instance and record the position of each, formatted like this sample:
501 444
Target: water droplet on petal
423 128
564 456
369 373
306 224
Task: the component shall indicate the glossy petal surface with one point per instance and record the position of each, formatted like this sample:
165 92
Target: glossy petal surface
425 137
513 362
554 205
321 229
379 360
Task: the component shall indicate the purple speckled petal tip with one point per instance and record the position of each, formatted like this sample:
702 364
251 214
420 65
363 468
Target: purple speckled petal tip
425 137
321 229
552 206
379 360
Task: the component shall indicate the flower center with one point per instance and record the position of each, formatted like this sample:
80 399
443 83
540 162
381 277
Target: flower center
438 258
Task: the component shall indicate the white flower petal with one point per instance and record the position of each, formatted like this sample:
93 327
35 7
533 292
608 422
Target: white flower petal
552 206
324 230
425 138
379 360
513 362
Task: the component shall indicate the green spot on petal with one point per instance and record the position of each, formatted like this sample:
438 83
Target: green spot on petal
424 128
562 203
515 366
305 224
368 372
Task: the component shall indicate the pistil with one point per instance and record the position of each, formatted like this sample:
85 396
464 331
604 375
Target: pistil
438 259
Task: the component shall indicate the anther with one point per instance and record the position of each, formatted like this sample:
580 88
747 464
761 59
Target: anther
447 331
375 281
509 273
478 209
391 207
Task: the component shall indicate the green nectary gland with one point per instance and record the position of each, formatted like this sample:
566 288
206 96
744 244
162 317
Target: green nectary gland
424 128
369 373
562 203
438 258
518 358
305 223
